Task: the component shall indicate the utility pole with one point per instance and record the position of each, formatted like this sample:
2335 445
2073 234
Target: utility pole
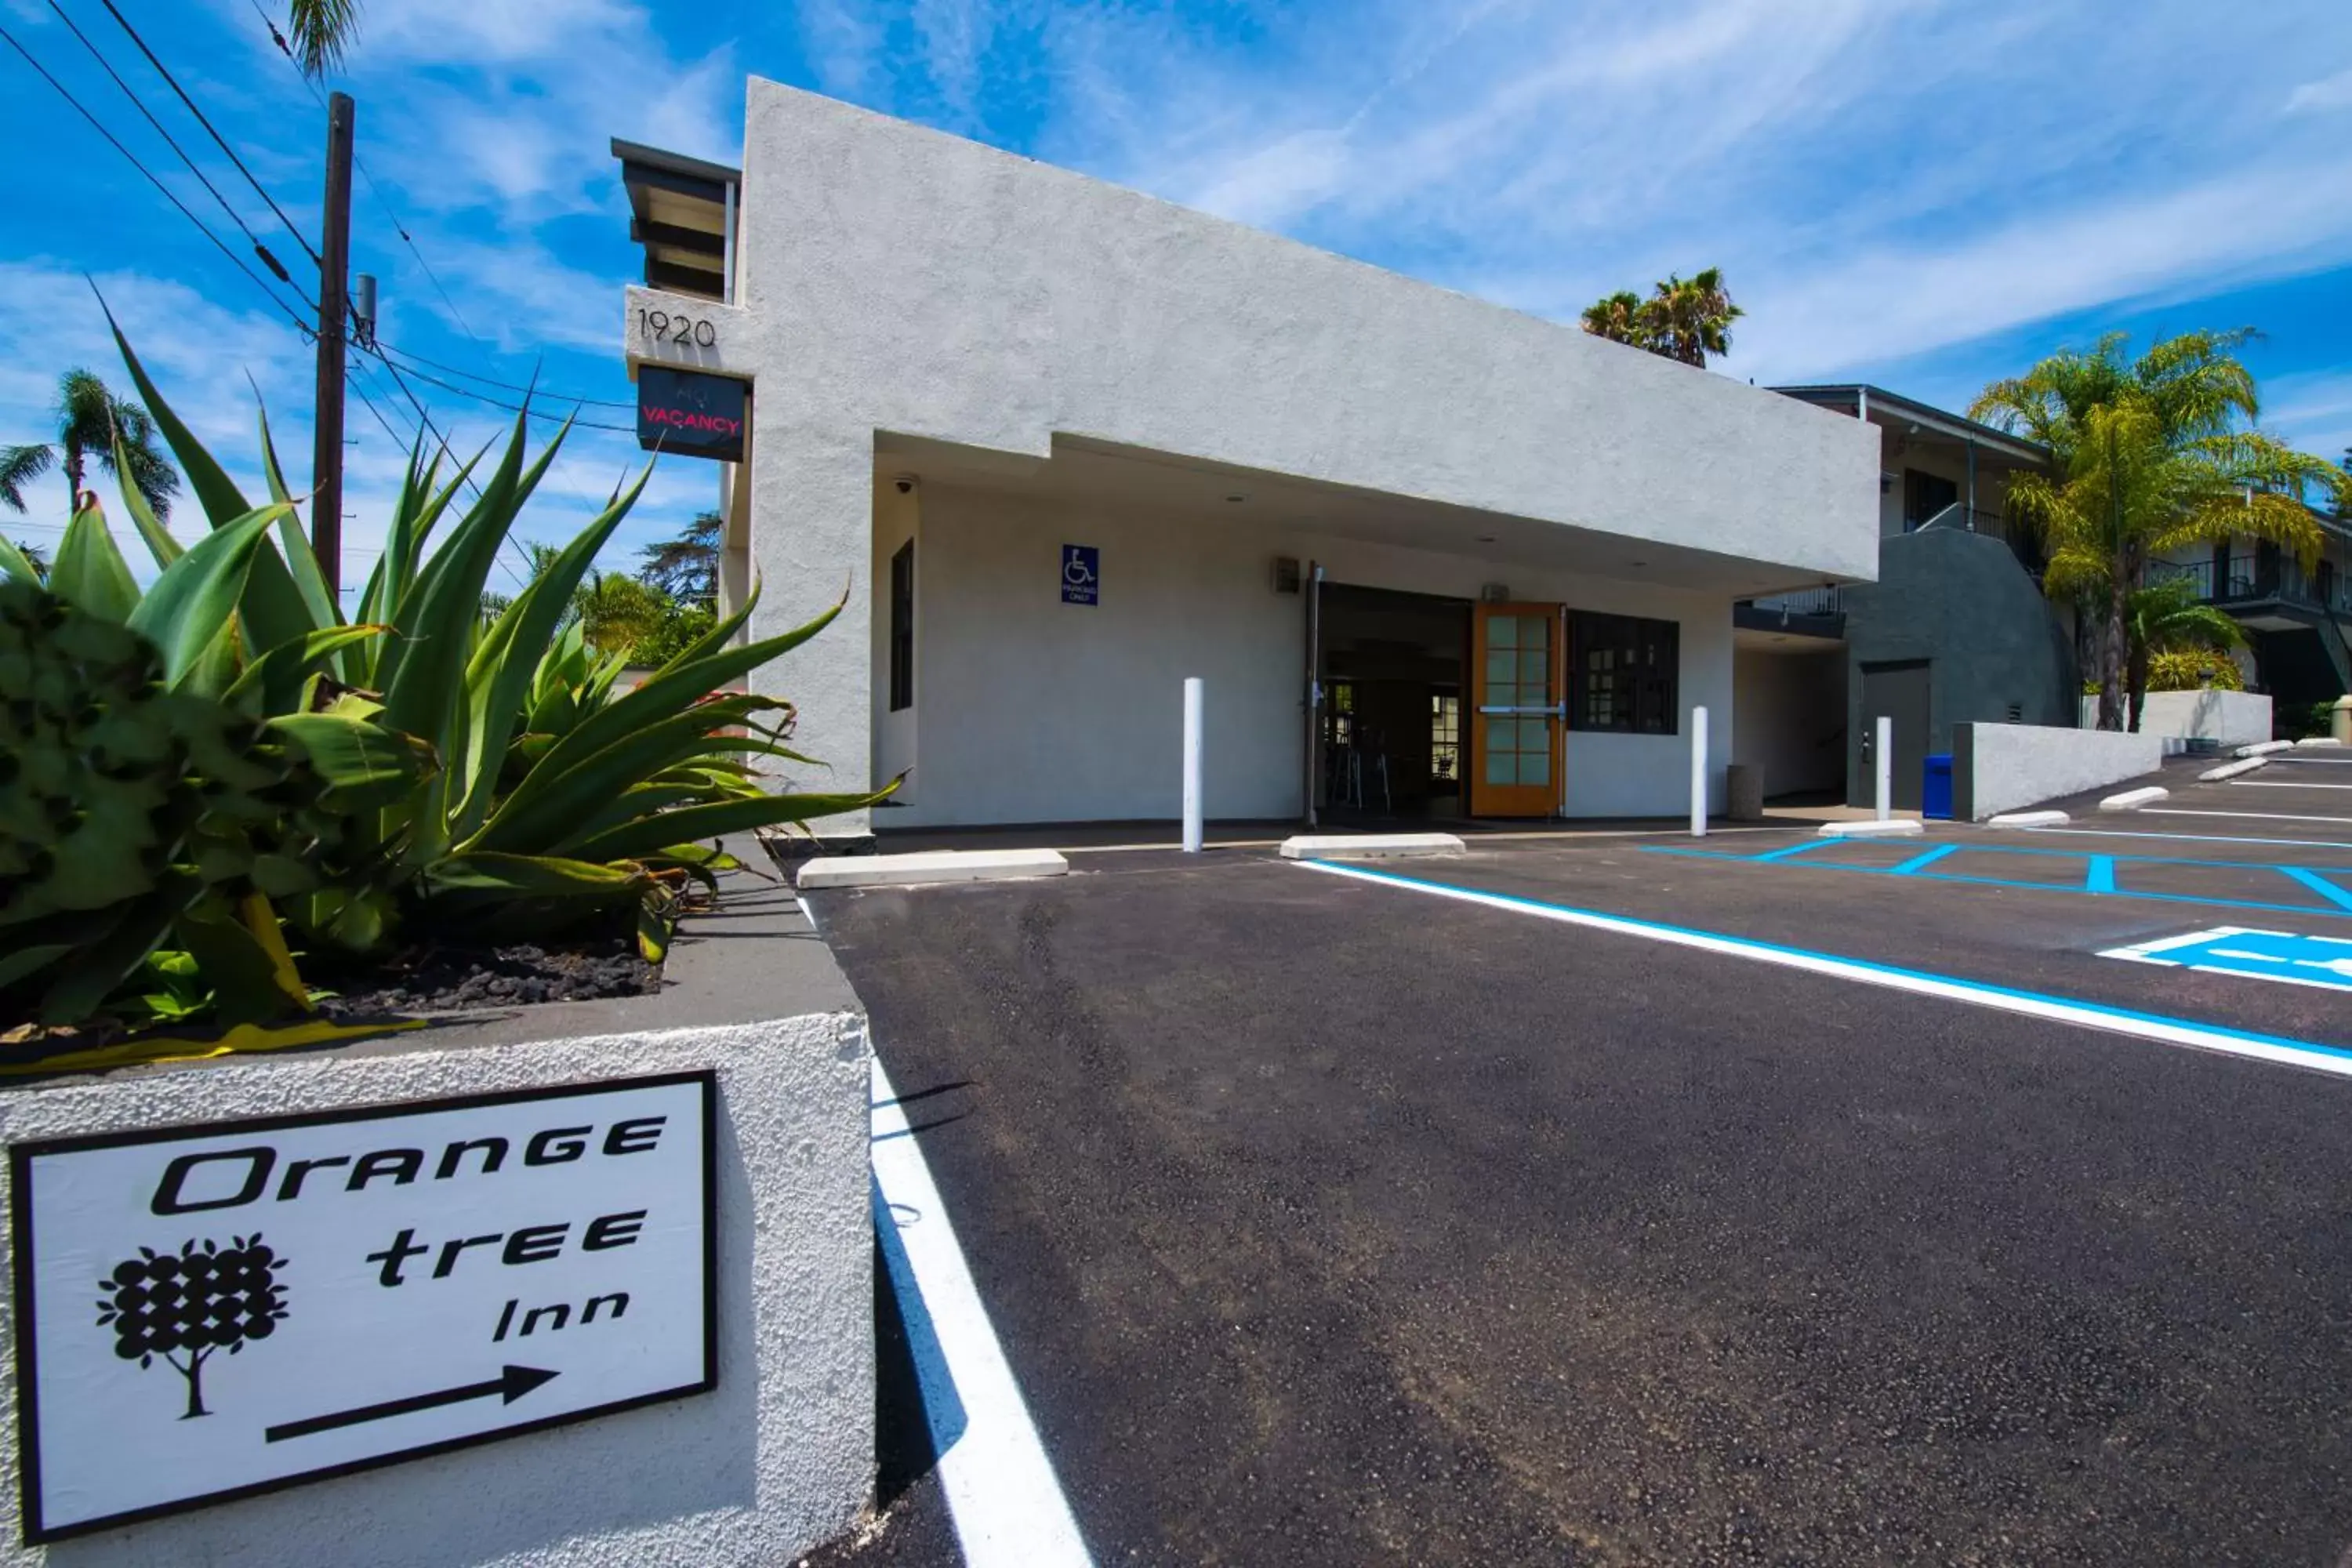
334 263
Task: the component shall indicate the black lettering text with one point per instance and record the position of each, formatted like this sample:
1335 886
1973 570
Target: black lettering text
404 1246
543 1149
450 1249
633 1137
613 1230
400 1164
494 1154
168 1198
619 1298
292 1187
561 1313
534 1244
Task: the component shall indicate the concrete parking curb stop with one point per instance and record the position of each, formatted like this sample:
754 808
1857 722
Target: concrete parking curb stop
2030 820
929 866
1368 846
1899 827
2266 748
2133 799
2233 770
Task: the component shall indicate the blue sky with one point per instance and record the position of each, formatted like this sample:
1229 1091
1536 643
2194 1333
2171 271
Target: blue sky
1925 194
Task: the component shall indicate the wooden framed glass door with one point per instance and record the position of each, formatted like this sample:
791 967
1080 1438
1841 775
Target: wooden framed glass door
1518 710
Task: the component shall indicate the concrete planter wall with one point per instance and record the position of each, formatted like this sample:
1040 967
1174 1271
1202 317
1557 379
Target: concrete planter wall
775 1460
2002 767
2229 718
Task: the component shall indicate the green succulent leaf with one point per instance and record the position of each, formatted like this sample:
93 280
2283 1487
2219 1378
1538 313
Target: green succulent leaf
186 608
90 572
160 542
637 839
274 682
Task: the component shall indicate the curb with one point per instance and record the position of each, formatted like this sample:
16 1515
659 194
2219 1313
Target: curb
2133 799
929 867
2029 819
2233 770
1900 827
1368 846
2265 748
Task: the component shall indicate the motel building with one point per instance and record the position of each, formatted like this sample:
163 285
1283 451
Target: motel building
1064 445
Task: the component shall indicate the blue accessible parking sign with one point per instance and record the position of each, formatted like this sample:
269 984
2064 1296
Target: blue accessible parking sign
2322 961
1081 574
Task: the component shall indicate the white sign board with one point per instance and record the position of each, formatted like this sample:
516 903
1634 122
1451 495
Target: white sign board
207 1312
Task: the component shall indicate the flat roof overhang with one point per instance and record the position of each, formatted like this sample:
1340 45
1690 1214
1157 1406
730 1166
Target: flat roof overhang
1089 471
682 210
1861 399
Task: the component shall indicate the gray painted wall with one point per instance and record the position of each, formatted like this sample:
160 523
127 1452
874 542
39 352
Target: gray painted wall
1962 602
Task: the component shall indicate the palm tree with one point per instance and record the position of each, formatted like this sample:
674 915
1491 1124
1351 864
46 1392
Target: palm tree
617 613
90 420
2150 455
321 29
685 567
2167 617
1684 319
1617 318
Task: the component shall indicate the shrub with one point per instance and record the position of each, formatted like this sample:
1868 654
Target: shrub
2194 669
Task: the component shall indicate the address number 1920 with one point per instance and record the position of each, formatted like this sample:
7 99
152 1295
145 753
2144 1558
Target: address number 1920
662 327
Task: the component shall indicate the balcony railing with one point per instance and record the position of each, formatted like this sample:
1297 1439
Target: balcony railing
2242 578
1828 601
1961 516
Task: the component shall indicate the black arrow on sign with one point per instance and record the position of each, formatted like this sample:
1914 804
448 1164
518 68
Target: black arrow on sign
509 1384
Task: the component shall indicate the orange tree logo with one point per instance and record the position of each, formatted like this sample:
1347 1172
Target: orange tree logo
183 1307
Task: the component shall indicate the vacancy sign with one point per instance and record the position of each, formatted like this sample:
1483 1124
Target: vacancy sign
206 1312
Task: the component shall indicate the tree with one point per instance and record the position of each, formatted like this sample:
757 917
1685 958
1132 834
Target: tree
1684 319
2343 488
2167 618
194 1302
617 613
685 567
91 420
322 30
35 558
2148 456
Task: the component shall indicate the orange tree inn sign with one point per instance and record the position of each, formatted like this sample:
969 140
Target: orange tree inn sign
211 1311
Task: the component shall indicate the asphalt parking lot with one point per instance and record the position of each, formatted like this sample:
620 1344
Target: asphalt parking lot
1331 1219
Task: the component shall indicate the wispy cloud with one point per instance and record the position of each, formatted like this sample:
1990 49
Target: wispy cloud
2327 92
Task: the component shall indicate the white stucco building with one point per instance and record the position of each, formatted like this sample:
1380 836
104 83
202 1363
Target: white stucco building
1508 552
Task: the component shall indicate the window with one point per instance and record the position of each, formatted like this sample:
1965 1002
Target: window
1925 495
902 627
1445 738
1625 675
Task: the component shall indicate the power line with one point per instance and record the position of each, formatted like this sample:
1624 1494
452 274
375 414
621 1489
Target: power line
95 125
173 81
426 419
275 266
418 359
497 403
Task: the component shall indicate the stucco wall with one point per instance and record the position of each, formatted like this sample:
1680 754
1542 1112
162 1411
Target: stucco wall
1031 710
2232 718
2006 767
897 279
1962 602
776 1459
1790 710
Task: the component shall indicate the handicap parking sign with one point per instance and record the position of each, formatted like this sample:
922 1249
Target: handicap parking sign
2322 960
1081 574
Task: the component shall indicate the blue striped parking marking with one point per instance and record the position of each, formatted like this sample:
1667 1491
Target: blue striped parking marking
2288 957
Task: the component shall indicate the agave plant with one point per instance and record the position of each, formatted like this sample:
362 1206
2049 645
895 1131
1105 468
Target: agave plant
535 799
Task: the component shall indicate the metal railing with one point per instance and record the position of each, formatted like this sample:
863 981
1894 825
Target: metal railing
1961 516
2243 577
1826 601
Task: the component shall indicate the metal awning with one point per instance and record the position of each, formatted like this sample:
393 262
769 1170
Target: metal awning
682 210
1890 408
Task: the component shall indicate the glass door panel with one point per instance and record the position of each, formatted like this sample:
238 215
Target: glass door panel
1516 712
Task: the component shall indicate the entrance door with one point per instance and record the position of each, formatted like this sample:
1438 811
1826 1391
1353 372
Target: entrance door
1517 688
1900 692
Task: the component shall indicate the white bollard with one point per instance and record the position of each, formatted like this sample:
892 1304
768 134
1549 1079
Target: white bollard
1192 764
1885 767
1698 773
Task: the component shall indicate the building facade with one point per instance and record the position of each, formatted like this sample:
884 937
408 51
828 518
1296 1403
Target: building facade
1062 445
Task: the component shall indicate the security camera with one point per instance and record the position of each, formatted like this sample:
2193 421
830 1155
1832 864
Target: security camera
906 483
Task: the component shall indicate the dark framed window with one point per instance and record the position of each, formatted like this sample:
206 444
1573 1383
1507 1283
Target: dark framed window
1925 495
1624 674
902 627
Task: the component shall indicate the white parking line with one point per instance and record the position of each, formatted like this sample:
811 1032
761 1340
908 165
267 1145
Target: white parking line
2057 1009
2280 783
1009 1508
2252 816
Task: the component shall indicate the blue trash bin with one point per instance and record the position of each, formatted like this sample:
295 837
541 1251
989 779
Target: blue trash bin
1936 792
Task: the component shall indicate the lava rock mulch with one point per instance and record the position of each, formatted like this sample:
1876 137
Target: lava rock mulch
448 979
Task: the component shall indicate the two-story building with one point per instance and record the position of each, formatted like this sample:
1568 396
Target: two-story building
1064 445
